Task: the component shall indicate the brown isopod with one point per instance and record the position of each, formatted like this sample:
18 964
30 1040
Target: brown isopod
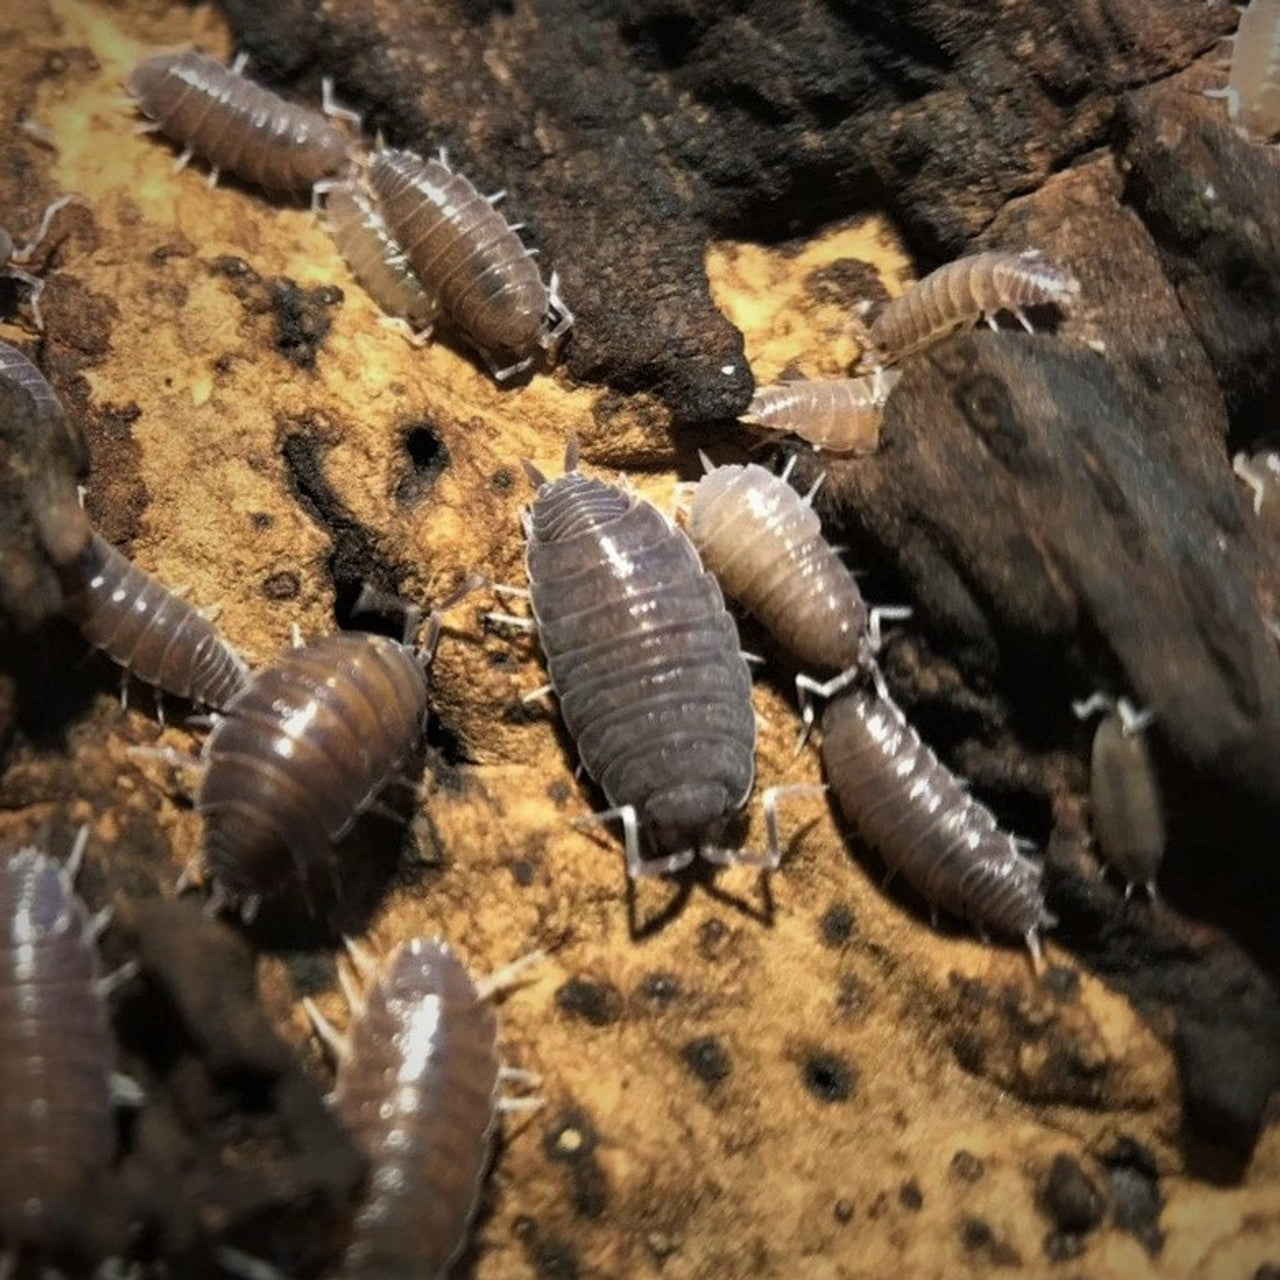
764 543
418 1089
1253 81
979 286
13 259
302 751
916 814
363 238
57 1132
470 260
1124 792
842 415
236 125
150 630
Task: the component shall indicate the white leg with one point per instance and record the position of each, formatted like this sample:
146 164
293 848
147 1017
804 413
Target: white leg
1094 704
504 590
112 982
707 465
1022 320
212 178
884 613
555 304
414 337
542 691
510 620
36 287
806 686
991 323
506 977
521 1104
1131 719
516 1075
75 860
1032 937
751 659
183 160
295 635
497 195
46 220
240 62
511 370
361 958
442 155
813 488
126 1091
1244 468
330 107
325 1030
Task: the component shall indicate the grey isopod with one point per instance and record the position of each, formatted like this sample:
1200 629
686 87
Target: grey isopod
645 661
13 259
839 414
467 258
236 125
301 752
914 812
418 1089
1253 81
17 369
363 238
57 1132
1124 792
764 543
152 632
957 294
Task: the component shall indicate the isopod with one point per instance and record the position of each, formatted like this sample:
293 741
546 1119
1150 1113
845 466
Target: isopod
1253 81
764 544
376 260
918 817
418 1089
302 751
57 1132
236 125
1261 472
839 414
149 630
957 294
645 661
13 259
470 261
21 372
1124 793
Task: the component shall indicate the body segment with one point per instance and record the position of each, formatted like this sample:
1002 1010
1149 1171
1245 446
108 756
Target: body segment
417 1088
156 635
57 1131
839 414
918 817
300 754
963 291
469 260
21 372
1253 83
237 126
645 660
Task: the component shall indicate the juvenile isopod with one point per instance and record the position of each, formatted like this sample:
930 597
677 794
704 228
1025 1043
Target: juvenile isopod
470 261
839 414
149 630
376 260
645 661
979 286
418 1089
918 817
15 368
57 1132
13 260
764 544
302 751
1124 792
1253 81
236 125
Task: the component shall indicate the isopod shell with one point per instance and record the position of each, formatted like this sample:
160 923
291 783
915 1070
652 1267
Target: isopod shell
1124 799
961 292
645 660
57 1132
1253 82
764 544
914 812
153 633
417 1089
359 230
302 751
466 257
237 126
17 369
842 415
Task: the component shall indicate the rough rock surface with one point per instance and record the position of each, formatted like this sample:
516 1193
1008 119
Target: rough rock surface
792 1080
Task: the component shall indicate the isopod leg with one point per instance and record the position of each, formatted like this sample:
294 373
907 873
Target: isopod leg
46 220
1247 472
331 108
414 337
884 613
510 371
327 1033
500 980
35 285
1131 719
1094 704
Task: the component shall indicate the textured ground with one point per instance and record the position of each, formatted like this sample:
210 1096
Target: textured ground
803 1081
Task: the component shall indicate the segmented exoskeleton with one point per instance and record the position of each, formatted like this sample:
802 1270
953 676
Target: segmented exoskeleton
236 125
1124 793
470 261
842 415
957 294
916 814
418 1090
151 631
